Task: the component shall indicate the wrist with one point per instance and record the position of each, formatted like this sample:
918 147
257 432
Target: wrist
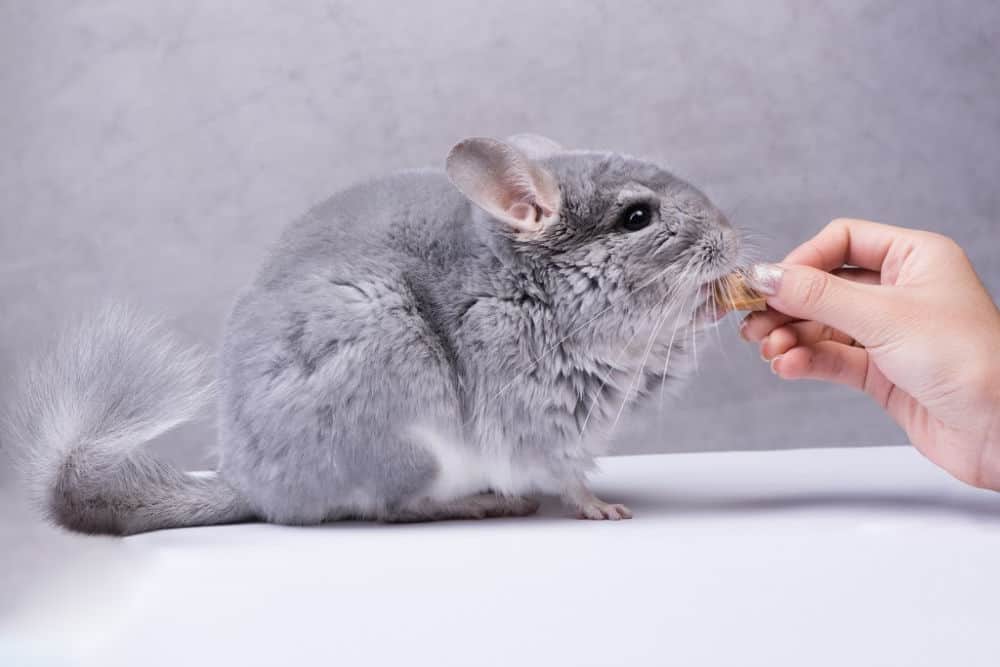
989 460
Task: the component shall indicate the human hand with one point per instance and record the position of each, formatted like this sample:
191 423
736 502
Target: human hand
901 315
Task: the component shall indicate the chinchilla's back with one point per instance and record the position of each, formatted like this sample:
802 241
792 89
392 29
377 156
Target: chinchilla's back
413 221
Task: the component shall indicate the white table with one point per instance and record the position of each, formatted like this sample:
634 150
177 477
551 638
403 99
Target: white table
831 557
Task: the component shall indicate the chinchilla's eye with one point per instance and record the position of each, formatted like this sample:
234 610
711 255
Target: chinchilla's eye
636 217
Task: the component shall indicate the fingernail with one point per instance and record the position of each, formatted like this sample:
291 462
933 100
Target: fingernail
774 364
767 277
763 344
743 328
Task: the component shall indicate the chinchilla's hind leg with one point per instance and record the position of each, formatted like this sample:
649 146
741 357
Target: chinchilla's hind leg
324 404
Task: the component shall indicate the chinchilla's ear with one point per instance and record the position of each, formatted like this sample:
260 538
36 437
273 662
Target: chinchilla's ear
534 146
505 183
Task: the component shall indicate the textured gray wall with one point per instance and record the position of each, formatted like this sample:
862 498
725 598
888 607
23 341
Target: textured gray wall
153 150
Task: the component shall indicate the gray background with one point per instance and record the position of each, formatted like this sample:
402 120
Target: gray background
151 151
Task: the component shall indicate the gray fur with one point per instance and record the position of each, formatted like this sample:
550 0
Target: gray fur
395 317
110 384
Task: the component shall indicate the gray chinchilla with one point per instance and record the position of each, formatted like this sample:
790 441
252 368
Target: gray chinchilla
428 345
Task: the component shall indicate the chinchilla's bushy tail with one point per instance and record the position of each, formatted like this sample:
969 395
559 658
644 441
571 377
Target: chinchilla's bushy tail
109 385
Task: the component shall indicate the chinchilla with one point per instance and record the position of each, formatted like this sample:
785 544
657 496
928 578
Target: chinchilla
427 345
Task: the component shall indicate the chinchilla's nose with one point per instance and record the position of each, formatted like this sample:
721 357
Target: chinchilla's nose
719 246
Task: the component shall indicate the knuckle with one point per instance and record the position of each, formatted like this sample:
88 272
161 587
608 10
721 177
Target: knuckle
809 361
838 365
843 221
944 245
811 288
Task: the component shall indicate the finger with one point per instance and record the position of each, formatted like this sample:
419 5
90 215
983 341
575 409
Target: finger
864 312
827 361
859 243
798 334
863 276
778 342
757 326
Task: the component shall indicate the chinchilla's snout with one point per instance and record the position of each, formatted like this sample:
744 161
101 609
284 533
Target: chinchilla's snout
717 248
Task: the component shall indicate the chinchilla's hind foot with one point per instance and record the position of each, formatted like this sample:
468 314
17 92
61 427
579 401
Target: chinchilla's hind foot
479 506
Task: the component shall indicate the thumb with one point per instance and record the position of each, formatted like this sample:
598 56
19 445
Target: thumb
859 310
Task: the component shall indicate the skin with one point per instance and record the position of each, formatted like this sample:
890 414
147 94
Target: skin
909 323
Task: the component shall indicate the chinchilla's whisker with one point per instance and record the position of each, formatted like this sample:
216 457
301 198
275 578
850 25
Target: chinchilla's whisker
729 297
572 333
751 240
718 325
633 385
597 396
733 320
694 346
746 233
749 254
714 300
693 329
686 283
666 362
753 236
690 296
666 312
727 293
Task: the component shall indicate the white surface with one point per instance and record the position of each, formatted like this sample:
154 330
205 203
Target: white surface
829 557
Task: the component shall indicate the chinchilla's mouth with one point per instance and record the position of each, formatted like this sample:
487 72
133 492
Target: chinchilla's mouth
709 309
729 292
739 291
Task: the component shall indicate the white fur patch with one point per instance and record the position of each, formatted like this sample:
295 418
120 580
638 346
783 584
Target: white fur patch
465 470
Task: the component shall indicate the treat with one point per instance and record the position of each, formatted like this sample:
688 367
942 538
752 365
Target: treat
733 293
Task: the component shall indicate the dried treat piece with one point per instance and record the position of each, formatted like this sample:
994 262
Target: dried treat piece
733 293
